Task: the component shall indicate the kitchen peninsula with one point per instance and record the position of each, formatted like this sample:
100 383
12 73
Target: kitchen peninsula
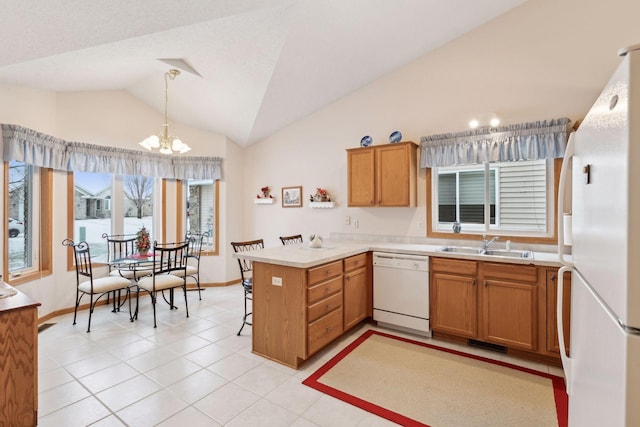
304 298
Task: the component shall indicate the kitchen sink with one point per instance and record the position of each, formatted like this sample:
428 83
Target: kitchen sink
509 253
487 252
462 250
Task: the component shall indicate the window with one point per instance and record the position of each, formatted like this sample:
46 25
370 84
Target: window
27 240
201 215
90 217
93 195
515 198
138 204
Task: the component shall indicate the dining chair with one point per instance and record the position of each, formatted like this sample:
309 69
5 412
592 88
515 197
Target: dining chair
169 272
86 284
195 241
246 273
121 246
291 240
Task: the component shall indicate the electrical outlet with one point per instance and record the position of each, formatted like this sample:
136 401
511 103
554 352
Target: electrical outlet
347 220
276 281
355 223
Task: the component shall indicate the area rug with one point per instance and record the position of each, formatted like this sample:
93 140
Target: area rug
417 384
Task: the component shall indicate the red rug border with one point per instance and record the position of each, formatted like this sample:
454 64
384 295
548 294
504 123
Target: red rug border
561 398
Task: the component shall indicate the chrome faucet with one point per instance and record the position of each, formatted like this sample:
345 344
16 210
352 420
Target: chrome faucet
486 243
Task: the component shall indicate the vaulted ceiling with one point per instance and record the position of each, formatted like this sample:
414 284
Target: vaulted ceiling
259 64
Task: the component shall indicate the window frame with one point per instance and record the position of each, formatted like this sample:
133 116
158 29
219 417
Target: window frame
472 235
181 208
117 186
44 229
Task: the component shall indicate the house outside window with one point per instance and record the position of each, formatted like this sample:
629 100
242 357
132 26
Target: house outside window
502 197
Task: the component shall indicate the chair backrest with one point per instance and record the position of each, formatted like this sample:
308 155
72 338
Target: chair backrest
246 265
291 240
119 246
195 243
82 257
170 257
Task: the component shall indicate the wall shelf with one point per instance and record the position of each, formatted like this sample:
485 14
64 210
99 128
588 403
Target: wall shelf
269 201
322 205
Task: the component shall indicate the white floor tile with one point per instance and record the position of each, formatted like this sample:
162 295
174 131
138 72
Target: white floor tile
265 414
128 392
294 395
81 413
108 377
233 366
198 385
172 372
152 409
53 378
208 355
61 396
226 403
262 379
189 417
330 412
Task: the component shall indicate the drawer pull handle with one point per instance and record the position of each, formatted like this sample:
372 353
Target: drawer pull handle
329 306
329 328
328 289
473 282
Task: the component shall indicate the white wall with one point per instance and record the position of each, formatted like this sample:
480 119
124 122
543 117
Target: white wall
543 60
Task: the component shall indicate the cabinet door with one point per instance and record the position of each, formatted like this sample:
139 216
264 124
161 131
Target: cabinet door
355 297
396 174
552 298
454 303
509 313
361 177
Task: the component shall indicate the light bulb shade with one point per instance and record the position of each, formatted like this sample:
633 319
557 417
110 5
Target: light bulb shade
152 142
165 150
494 122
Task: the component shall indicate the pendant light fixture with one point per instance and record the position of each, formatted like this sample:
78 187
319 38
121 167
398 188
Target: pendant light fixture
166 143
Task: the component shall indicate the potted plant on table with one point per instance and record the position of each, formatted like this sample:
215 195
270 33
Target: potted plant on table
143 242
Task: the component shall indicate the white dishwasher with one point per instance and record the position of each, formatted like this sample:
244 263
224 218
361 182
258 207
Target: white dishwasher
401 291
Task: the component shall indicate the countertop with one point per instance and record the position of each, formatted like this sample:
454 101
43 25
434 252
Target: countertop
303 256
13 299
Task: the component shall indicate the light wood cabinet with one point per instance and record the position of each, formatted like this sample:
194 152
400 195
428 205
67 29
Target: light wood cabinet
18 361
297 311
382 176
509 305
454 297
324 317
355 290
552 341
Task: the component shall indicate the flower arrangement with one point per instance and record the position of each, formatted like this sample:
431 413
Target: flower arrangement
142 240
265 193
321 195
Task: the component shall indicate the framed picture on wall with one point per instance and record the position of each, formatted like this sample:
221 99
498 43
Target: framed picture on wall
291 197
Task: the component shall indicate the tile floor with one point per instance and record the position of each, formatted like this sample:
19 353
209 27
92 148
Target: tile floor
187 372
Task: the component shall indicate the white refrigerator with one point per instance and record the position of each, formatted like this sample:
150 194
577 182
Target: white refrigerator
602 367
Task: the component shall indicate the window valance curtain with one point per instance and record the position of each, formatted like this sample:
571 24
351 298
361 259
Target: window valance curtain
526 141
26 145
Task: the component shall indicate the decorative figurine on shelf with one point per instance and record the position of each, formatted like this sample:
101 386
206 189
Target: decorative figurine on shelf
142 241
265 193
321 196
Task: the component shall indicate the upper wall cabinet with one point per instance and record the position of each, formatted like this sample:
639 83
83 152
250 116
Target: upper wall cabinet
383 175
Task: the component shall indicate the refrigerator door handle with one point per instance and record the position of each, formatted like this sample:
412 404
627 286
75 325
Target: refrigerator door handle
566 360
569 152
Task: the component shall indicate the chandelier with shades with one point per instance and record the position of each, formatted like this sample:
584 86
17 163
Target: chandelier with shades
166 142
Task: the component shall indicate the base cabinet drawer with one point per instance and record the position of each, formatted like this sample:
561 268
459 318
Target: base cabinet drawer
324 330
324 289
324 307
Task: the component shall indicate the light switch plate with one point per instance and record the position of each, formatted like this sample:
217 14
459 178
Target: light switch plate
276 281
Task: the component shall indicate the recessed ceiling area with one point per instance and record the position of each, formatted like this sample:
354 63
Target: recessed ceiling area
256 66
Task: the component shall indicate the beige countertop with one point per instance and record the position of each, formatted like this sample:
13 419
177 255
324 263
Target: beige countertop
303 256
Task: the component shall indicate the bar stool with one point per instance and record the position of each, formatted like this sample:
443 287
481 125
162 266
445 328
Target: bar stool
246 273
